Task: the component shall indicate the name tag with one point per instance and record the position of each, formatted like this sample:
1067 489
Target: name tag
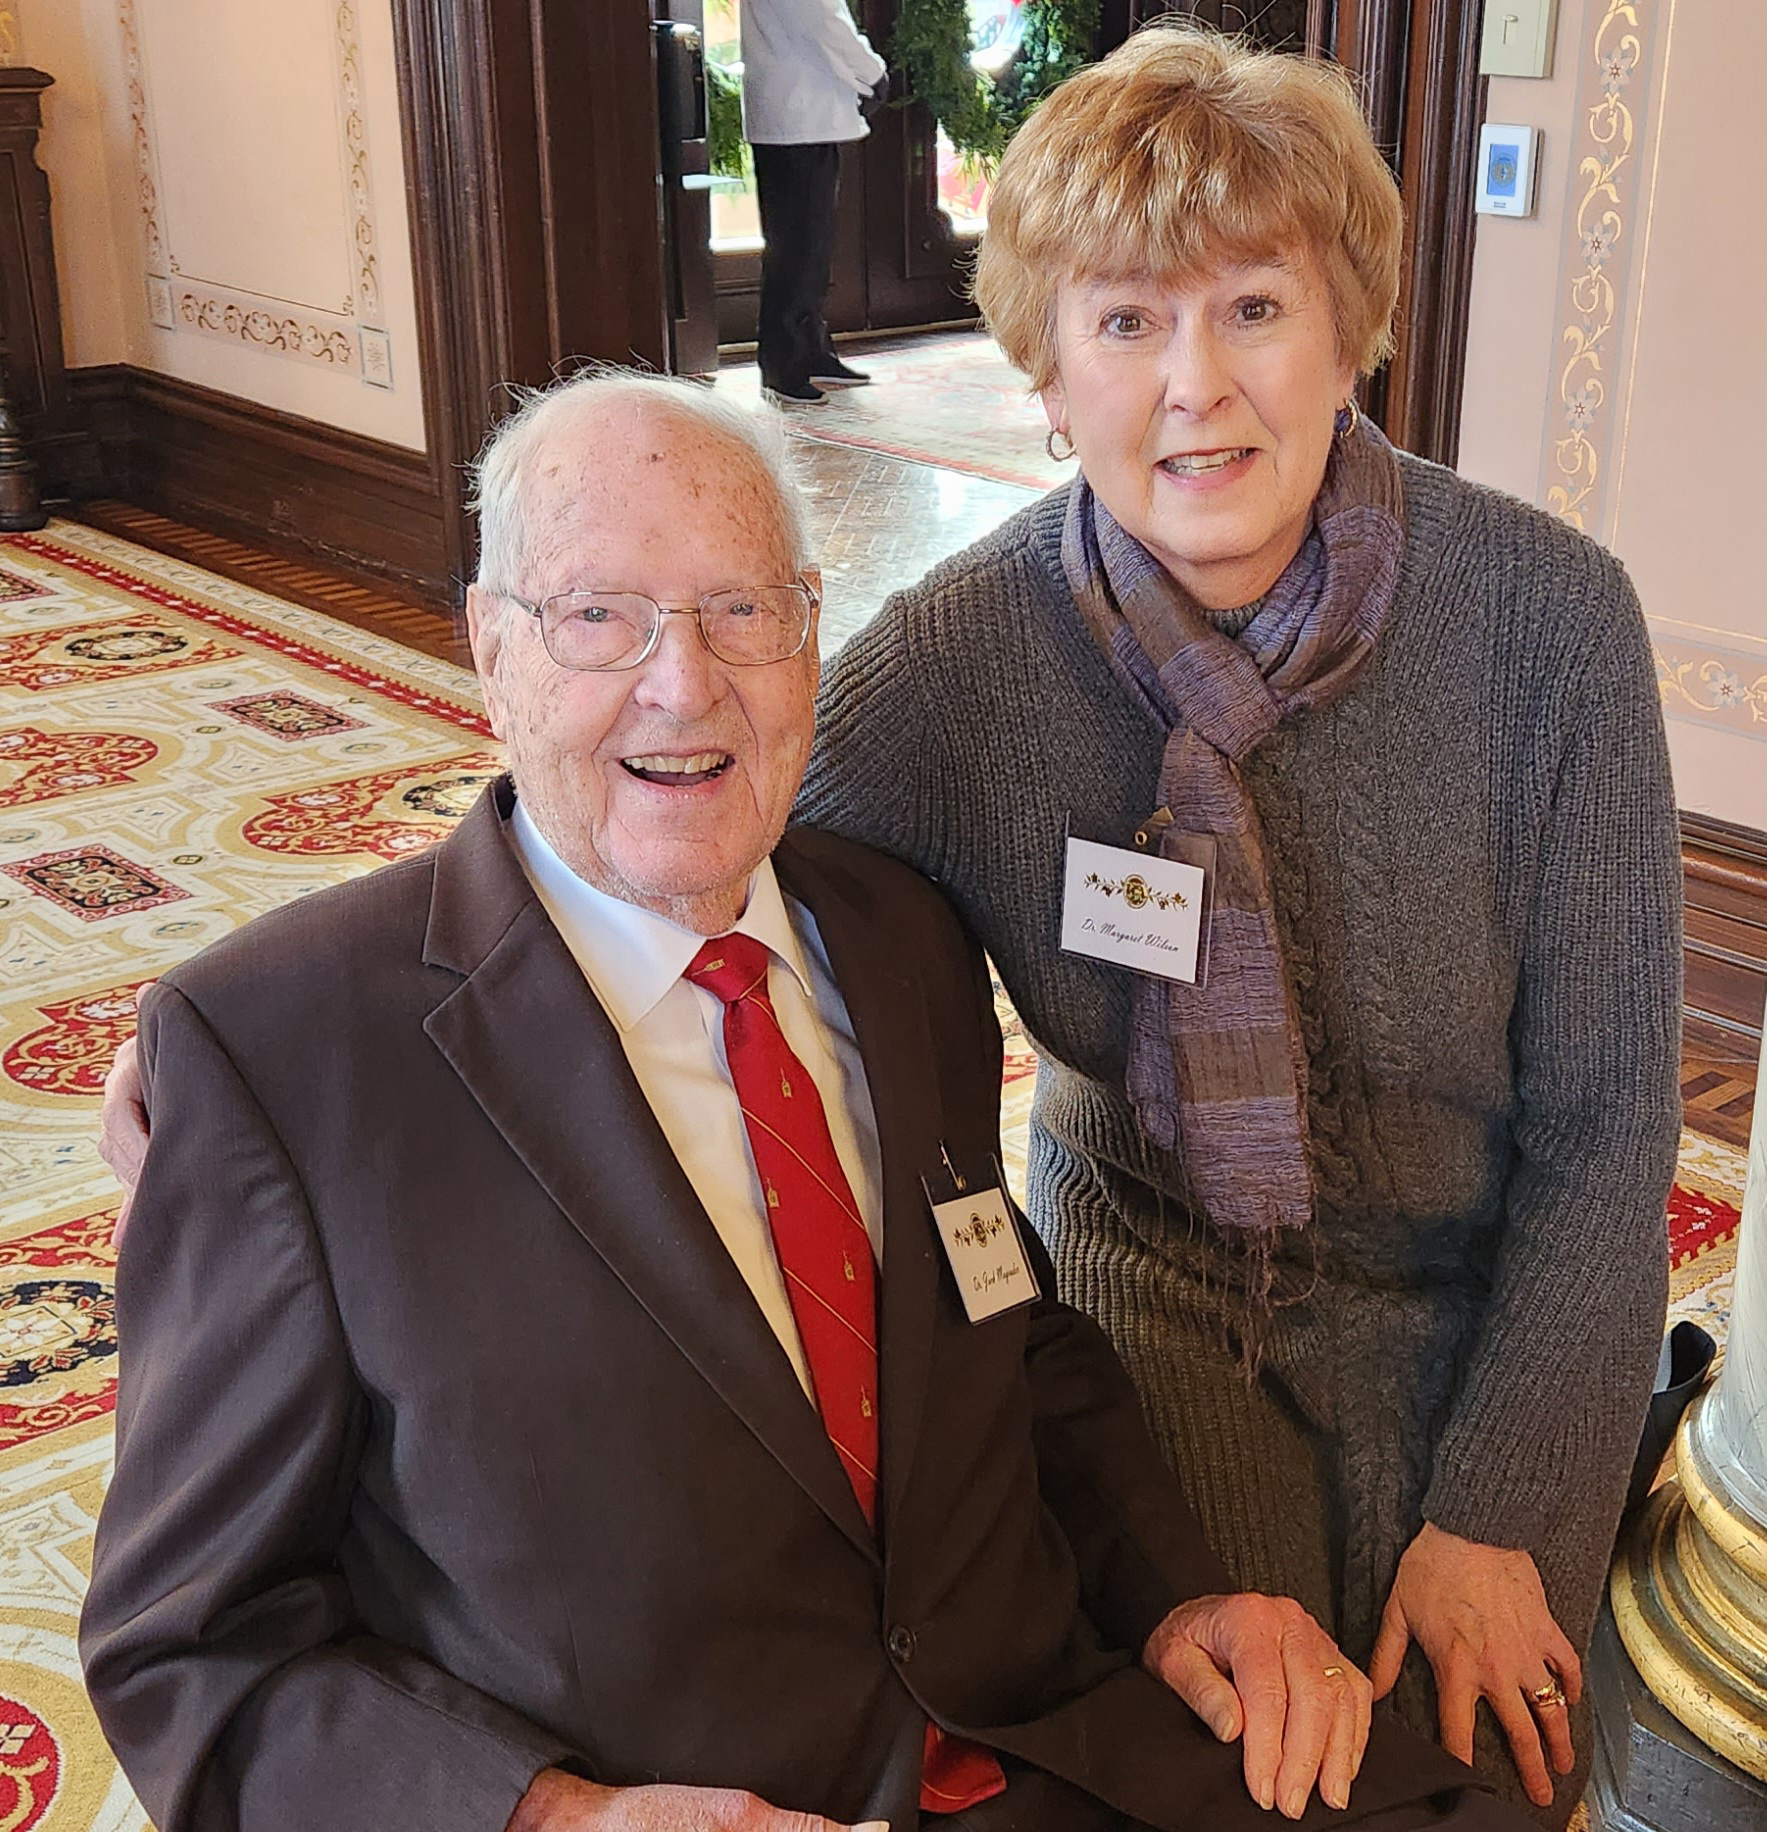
987 1257
1133 910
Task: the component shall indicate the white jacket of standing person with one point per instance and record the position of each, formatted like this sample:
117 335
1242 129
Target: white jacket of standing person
804 67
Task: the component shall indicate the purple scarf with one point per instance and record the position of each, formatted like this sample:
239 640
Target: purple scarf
1219 1071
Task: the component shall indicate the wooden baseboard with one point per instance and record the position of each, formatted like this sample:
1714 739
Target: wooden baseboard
1725 868
232 467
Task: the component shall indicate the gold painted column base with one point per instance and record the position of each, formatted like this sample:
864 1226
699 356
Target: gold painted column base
1689 1590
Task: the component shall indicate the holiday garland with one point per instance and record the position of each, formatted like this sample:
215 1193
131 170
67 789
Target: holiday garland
729 157
931 48
980 113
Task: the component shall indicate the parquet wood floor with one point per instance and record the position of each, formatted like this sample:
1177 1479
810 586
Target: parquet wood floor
1718 1098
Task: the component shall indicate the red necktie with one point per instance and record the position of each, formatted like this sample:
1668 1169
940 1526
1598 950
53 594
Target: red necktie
830 1275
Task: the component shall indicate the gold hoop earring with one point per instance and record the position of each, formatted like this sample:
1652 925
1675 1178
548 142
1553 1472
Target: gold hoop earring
1349 418
1058 432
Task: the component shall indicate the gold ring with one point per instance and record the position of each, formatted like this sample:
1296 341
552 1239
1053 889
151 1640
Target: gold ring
1548 1696
1334 1672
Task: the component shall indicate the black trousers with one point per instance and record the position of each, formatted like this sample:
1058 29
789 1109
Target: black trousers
796 188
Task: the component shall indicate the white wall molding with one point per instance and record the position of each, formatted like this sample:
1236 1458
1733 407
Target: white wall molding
356 338
147 181
358 173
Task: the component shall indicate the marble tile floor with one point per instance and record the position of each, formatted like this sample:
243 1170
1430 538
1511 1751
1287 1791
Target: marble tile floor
879 522
943 397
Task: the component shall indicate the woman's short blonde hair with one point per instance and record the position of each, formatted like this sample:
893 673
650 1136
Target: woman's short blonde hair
1183 149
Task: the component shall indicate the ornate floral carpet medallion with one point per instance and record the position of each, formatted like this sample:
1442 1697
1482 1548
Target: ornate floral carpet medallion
177 755
13 585
289 716
49 764
93 882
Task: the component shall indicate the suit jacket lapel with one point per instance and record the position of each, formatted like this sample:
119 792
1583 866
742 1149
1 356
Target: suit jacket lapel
886 1002
532 1044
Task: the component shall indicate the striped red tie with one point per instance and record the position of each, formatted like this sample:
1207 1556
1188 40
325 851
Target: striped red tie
830 1275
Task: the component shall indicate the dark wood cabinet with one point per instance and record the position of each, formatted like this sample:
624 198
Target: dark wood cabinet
30 306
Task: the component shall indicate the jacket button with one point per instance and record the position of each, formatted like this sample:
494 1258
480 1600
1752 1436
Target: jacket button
901 1644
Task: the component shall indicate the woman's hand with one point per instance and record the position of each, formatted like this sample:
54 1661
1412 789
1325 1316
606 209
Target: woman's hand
1479 1613
1261 1668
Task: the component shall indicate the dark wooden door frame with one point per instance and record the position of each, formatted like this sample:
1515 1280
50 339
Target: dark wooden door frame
530 136
1417 63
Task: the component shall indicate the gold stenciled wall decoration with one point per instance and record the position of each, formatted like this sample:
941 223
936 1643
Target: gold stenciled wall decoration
1599 378
1711 680
9 51
1599 268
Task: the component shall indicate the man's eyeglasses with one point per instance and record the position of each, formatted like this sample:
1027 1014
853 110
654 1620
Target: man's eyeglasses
597 632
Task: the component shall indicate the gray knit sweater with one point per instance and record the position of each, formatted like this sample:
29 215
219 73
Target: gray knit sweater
1477 880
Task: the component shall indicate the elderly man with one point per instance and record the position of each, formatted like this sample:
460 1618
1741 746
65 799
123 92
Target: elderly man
548 1401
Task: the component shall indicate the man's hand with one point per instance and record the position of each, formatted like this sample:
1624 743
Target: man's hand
1261 1667
1479 1613
557 1802
122 1127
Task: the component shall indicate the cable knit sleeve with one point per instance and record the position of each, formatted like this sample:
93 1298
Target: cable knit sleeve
1549 1409
873 774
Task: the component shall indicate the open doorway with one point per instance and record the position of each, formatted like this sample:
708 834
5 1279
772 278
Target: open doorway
910 210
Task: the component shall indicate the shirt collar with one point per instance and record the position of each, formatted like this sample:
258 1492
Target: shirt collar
632 957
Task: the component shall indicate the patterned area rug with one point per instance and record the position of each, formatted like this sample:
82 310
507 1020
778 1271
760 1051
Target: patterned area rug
177 755
950 400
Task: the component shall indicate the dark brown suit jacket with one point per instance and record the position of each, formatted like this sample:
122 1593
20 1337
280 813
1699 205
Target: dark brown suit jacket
451 1443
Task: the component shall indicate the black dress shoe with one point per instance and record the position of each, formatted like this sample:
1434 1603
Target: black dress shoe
806 393
831 372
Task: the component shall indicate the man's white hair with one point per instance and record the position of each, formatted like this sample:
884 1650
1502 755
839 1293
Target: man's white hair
501 475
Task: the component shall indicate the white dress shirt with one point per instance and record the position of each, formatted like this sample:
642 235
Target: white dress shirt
673 1034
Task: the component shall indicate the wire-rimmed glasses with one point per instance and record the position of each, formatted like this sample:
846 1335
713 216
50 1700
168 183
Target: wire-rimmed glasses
596 632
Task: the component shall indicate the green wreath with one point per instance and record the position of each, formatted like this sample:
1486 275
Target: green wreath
980 113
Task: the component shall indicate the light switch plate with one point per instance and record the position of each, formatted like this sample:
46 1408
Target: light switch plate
1518 37
1508 164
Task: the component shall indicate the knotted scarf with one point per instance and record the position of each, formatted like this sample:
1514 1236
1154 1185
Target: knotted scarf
1218 1070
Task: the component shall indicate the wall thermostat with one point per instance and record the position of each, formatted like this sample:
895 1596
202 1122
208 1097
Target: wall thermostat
1508 163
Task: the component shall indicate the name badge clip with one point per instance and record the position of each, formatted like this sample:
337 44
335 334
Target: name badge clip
979 1232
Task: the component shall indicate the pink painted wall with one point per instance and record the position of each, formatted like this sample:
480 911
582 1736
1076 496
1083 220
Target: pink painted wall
1613 372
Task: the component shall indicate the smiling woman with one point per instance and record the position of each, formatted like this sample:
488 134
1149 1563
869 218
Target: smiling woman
1371 1200
1222 500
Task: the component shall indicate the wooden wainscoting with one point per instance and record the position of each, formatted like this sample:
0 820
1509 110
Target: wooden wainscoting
370 510
1726 876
